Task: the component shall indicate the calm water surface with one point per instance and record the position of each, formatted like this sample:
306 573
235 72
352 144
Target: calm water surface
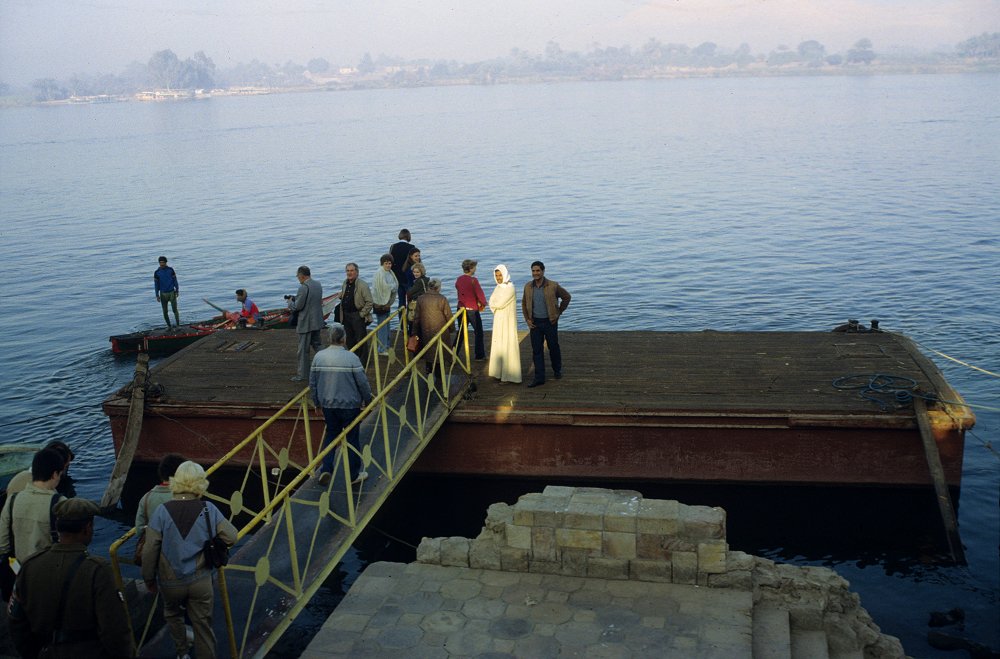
756 204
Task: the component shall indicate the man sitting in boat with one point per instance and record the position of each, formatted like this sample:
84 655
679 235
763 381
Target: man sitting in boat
249 313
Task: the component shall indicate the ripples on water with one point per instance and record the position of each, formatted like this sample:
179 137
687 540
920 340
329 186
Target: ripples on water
667 205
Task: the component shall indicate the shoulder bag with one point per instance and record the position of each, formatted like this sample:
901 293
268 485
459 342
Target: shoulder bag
216 550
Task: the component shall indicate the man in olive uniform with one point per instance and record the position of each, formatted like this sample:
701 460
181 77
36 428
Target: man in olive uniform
65 600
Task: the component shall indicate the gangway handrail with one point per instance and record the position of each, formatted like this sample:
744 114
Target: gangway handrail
281 500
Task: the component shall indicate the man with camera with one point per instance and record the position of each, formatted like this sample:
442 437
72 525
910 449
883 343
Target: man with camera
307 304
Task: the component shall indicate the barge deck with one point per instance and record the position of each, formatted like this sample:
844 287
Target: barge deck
657 406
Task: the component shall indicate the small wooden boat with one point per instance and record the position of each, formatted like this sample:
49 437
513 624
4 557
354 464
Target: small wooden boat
160 341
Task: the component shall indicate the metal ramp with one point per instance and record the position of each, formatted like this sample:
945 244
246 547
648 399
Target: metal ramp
292 531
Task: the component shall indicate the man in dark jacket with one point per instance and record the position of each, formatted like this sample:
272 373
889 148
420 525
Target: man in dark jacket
400 252
543 302
167 289
308 302
65 601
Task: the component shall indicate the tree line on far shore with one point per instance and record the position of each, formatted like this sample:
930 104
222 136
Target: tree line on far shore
165 70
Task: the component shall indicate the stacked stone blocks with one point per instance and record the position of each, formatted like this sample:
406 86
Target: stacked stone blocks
591 532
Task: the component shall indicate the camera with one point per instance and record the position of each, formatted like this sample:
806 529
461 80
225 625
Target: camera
290 298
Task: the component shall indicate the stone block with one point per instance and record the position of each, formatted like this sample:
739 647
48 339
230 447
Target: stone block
585 515
597 496
523 512
619 545
652 547
574 562
484 554
732 579
518 537
551 512
805 617
497 515
712 556
658 516
514 560
621 515
544 567
543 544
685 567
429 551
702 523
738 560
578 539
644 570
607 568
455 551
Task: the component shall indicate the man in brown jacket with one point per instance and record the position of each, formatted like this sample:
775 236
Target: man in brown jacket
543 302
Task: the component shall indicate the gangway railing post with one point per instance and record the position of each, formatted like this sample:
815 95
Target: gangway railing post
228 612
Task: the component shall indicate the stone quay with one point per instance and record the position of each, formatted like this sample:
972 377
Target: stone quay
588 572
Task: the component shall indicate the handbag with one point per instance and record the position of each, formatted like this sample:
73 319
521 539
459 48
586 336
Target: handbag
413 343
216 550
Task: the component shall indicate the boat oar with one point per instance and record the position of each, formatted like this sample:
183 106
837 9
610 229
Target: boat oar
215 306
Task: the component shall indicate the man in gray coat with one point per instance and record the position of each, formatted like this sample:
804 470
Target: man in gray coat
308 302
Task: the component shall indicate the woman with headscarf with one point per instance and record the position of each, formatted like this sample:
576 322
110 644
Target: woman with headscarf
383 295
505 351
173 559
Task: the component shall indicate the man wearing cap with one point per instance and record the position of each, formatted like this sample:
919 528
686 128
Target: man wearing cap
65 601
167 289
340 387
473 300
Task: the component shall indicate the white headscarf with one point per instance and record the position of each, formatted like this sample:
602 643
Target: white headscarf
503 273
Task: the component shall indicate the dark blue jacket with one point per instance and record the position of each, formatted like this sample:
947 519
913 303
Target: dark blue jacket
165 280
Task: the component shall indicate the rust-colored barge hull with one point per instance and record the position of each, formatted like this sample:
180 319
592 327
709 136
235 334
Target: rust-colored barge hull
659 406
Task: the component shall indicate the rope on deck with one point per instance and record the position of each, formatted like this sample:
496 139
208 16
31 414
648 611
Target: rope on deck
895 391
887 391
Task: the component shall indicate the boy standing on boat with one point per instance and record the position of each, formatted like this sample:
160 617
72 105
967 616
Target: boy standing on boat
167 288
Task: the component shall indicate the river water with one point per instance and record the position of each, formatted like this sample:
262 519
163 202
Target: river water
731 204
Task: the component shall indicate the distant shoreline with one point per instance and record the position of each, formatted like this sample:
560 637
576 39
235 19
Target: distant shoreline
370 82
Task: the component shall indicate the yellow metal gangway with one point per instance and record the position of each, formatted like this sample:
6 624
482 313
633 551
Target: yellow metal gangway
293 531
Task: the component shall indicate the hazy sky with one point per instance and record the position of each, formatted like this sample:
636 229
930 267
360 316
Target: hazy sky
54 38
